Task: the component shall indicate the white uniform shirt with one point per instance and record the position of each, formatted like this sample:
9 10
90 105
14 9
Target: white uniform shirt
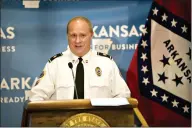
56 81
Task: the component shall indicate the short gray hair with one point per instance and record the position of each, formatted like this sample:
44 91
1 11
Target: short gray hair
81 18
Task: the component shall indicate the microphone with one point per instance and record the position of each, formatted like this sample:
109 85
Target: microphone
71 67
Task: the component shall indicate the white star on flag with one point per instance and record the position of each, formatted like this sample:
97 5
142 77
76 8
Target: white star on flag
144 31
154 93
155 11
164 98
144 56
144 43
184 29
175 103
145 81
173 23
164 17
186 109
144 69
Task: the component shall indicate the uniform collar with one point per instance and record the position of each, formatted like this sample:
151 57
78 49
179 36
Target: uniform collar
74 58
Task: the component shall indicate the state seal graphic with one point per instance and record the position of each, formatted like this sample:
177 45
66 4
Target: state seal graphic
85 120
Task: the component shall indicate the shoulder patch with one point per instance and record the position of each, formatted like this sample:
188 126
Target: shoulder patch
55 56
105 55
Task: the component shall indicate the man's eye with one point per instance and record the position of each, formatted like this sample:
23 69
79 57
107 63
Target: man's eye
73 35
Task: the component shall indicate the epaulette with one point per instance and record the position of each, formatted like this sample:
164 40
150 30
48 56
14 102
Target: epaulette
55 56
105 55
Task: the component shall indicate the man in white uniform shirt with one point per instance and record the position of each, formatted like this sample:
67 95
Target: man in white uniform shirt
79 72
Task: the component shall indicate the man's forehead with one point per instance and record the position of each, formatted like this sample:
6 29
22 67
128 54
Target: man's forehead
79 32
79 24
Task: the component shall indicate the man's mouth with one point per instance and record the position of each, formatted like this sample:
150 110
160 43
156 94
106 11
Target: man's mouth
78 46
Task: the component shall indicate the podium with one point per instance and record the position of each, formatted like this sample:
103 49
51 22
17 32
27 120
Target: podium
79 112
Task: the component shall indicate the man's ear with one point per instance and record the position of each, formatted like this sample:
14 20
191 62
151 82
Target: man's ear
92 34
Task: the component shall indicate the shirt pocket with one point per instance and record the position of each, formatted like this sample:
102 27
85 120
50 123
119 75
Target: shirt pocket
64 91
99 87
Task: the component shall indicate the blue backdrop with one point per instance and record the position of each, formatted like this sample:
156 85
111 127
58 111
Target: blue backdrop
30 36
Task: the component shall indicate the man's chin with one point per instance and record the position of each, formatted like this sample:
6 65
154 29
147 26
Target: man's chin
79 52
79 49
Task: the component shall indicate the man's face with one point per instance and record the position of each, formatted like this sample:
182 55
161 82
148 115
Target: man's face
79 37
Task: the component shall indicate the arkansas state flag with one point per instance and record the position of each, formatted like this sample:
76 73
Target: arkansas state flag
159 75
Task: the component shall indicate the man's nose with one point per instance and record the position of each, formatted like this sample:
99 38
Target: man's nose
78 40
